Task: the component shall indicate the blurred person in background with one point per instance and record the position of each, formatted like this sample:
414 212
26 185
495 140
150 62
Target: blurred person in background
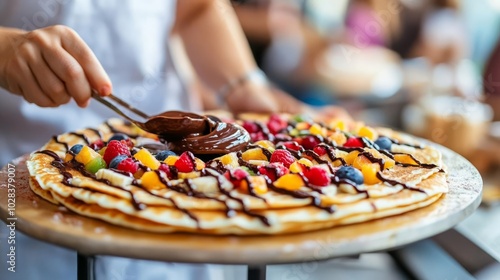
54 52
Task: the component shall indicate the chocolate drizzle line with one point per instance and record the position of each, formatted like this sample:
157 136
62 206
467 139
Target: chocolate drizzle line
394 183
56 139
82 136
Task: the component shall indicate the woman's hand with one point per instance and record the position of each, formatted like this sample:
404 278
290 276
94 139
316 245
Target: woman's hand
49 66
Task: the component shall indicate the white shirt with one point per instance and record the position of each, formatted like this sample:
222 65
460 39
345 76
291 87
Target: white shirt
130 39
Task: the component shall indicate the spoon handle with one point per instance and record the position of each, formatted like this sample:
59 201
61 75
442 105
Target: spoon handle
108 104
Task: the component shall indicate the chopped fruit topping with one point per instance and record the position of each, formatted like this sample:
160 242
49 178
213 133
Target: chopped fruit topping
102 151
350 173
292 145
291 182
340 125
370 173
86 155
165 168
294 132
114 163
170 160
97 145
368 132
305 162
236 177
266 144
384 143
354 142
321 151
128 165
230 159
146 158
405 159
302 126
361 161
259 184
119 137
257 136
276 123
199 164
317 129
95 164
185 163
283 156
301 118
297 167
114 149
254 154
273 170
162 155
350 157
309 142
76 149
68 157
317 176
150 180
251 127
338 137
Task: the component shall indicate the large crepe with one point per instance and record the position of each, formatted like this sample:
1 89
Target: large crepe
224 209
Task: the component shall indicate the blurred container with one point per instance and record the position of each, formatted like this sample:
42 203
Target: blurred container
454 122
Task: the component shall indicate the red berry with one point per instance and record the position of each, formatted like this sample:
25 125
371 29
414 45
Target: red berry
165 168
321 151
292 145
114 149
354 142
257 136
276 124
128 165
128 143
309 142
185 163
317 176
283 156
273 170
251 127
97 145
236 176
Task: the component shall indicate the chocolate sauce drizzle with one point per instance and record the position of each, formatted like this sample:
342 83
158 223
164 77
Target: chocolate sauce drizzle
55 138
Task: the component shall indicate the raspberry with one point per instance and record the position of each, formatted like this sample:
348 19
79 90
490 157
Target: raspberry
165 168
317 176
128 165
273 170
114 149
321 151
292 145
354 142
251 127
236 176
186 162
309 142
276 124
97 145
282 156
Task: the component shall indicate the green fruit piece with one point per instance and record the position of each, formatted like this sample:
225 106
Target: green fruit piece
95 164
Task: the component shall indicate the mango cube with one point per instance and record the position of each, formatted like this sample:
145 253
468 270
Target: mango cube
370 173
253 154
150 180
291 182
146 158
86 155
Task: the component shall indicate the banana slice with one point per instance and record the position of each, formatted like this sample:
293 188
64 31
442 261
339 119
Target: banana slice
116 179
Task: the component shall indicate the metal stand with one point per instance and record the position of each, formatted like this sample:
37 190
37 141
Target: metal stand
85 267
257 272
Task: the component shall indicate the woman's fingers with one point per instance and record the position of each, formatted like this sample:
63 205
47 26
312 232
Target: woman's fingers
48 81
31 90
76 47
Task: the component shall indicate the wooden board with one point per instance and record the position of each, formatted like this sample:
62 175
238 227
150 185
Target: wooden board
56 225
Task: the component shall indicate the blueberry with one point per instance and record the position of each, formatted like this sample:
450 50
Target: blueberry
118 137
116 161
350 173
161 156
384 143
76 149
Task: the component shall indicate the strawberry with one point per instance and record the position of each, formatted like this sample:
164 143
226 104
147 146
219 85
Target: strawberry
354 142
236 176
165 168
276 124
317 176
251 127
257 136
114 149
292 145
97 145
128 165
273 170
309 142
283 156
321 151
186 162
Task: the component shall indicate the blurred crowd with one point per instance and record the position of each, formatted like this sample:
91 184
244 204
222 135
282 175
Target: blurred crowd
428 67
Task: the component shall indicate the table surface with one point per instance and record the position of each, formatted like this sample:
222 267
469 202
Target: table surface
50 223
